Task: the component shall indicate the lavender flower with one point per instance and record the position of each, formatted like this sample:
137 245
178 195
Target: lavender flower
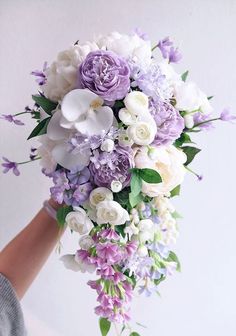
226 116
169 123
10 165
12 119
106 167
106 74
141 34
203 121
40 75
169 51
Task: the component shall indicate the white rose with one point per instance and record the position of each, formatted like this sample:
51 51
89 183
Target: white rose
136 102
86 242
142 133
142 251
100 194
70 263
111 212
79 221
107 145
62 75
168 163
116 186
190 98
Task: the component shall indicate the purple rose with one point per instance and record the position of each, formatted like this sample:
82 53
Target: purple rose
106 74
114 166
169 123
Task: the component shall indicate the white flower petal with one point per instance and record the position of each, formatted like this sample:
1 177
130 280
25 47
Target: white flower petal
69 160
70 263
54 130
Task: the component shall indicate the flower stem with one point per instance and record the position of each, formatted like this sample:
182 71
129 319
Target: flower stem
205 122
38 158
17 114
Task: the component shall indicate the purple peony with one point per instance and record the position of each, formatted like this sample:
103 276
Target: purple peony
106 74
106 167
169 123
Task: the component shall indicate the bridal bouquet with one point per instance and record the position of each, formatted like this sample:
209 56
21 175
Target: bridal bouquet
114 120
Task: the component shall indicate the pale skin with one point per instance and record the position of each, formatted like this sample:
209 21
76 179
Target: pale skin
22 258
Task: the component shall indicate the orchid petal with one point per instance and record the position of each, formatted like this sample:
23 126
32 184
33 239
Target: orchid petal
54 130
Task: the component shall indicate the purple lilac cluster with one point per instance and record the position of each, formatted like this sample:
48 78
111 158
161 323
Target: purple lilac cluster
114 289
71 187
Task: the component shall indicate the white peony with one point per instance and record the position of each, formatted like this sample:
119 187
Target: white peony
62 75
79 221
190 98
86 242
168 162
82 110
111 212
100 194
142 132
131 47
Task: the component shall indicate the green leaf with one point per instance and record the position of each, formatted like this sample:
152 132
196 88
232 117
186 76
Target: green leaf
105 326
150 175
176 215
158 281
173 257
191 152
184 138
120 229
175 191
136 183
47 105
134 333
210 97
40 129
62 213
134 200
122 198
184 76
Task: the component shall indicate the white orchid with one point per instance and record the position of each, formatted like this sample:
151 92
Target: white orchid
82 110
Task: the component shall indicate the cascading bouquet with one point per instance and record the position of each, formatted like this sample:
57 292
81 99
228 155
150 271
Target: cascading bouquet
114 122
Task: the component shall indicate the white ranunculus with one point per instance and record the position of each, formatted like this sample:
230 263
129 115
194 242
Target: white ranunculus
136 102
86 242
131 47
107 145
100 194
111 212
47 160
168 162
116 186
190 98
142 132
127 117
62 75
70 263
124 139
82 109
79 221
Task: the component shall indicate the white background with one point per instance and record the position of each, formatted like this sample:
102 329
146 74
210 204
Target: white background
199 301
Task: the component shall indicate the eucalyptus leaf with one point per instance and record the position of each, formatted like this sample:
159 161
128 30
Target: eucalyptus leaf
104 325
40 129
173 257
47 105
175 191
184 76
191 152
62 213
150 175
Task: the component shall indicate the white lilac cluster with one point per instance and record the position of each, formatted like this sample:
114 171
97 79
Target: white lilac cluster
114 125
